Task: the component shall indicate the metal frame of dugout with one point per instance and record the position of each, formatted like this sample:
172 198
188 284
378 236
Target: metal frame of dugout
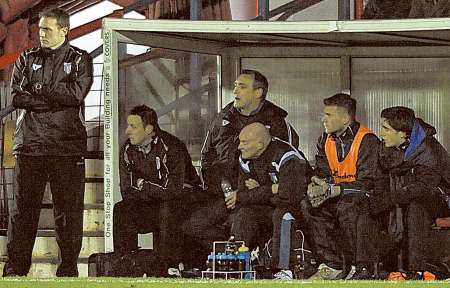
230 42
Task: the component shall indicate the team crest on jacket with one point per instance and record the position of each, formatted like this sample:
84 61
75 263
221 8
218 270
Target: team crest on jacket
36 66
67 67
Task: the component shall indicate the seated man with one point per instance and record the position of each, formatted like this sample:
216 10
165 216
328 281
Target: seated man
339 219
272 181
154 168
417 181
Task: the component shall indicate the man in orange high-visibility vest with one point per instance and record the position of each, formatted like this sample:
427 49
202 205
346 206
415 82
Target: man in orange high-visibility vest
346 167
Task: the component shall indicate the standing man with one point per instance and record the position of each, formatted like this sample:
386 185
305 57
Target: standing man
346 167
273 179
417 182
156 174
49 83
220 151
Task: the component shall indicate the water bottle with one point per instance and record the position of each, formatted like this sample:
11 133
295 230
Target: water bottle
209 262
241 262
244 251
231 247
226 187
222 262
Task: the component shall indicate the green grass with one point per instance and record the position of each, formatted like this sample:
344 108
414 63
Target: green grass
187 283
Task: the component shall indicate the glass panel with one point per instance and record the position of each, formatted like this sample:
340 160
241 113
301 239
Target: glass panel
89 42
418 83
180 86
91 112
298 85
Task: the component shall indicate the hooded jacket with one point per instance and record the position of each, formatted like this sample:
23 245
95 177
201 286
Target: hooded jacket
417 170
220 151
50 87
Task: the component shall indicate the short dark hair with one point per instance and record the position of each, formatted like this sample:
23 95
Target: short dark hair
400 118
259 81
342 100
147 114
62 17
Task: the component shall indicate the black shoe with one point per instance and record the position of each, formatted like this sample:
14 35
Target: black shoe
191 273
65 271
362 274
8 271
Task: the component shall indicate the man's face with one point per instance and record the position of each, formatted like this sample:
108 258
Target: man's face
136 131
250 147
51 35
335 119
390 136
246 97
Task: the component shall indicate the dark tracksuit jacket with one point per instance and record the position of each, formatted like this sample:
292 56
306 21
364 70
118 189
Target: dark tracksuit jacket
345 211
416 176
259 208
52 122
168 179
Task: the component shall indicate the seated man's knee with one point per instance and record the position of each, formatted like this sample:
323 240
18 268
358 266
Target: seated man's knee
281 214
122 207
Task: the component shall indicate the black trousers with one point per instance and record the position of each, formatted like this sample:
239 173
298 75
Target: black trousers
258 223
422 247
133 217
342 226
66 177
208 223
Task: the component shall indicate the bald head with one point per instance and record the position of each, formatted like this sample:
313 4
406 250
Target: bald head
253 140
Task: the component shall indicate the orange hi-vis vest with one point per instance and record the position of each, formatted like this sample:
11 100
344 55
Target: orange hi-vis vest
345 171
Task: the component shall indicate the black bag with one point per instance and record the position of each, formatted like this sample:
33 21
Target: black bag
302 260
100 264
305 264
133 264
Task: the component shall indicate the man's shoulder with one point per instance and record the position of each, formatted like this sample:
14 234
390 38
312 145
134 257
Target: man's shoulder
282 150
31 51
273 110
171 140
370 139
77 50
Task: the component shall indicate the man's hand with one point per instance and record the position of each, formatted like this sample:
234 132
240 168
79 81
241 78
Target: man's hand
319 191
251 183
274 189
230 200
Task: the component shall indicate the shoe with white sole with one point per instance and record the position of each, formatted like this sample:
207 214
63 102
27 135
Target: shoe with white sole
283 275
326 273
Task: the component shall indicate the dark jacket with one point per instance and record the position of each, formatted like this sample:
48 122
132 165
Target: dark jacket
412 172
280 164
220 154
429 8
50 85
167 169
366 165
